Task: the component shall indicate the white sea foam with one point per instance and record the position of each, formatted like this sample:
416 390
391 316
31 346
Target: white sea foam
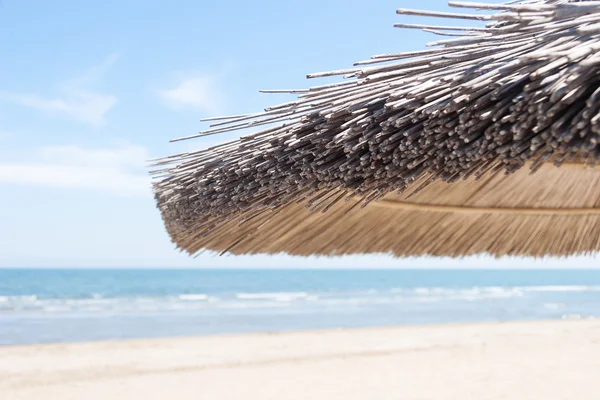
193 297
426 291
554 306
572 316
470 293
292 300
563 288
274 296
493 291
26 298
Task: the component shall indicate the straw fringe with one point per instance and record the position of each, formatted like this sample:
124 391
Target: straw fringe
416 233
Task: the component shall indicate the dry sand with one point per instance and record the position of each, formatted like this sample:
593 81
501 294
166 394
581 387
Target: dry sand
532 360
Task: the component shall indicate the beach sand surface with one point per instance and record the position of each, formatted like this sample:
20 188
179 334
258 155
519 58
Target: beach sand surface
547 360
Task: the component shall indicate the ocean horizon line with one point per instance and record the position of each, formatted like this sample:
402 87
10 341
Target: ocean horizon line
296 268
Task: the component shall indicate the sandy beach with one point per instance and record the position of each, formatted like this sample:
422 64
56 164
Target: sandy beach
525 360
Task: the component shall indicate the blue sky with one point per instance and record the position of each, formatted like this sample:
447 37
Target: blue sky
89 91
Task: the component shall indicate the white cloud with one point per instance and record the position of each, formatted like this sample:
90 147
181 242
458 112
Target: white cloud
75 100
197 93
126 156
76 104
118 171
96 72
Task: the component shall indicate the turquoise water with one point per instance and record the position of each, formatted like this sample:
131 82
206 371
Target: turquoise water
38 306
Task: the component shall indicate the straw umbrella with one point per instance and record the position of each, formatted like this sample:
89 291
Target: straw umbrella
480 144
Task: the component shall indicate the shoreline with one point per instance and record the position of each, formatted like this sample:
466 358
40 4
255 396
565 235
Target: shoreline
249 334
556 359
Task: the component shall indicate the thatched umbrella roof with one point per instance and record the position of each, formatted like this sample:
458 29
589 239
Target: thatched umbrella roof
424 152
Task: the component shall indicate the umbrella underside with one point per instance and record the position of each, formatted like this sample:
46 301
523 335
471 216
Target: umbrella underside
447 151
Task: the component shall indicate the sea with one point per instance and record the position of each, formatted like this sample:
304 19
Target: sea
72 305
